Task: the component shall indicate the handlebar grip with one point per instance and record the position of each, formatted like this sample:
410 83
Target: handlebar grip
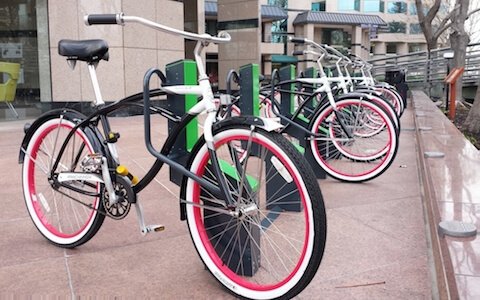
102 19
297 40
297 52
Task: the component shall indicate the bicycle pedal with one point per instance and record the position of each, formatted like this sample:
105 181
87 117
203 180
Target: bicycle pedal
155 228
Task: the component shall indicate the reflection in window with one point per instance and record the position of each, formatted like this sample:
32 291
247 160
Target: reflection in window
397 7
414 48
349 5
391 48
397 27
336 37
373 6
415 28
279 31
318 6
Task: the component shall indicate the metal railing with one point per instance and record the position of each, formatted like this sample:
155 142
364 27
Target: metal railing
419 72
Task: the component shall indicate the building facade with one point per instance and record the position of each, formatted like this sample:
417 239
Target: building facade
30 31
368 28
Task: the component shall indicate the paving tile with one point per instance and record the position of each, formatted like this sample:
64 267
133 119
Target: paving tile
46 277
404 279
22 243
468 287
154 270
353 247
375 233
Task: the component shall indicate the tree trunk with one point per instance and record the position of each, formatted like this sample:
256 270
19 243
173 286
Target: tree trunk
472 122
459 40
459 44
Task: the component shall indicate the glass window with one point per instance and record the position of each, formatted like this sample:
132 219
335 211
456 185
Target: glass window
19 44
397 7
336 37
373 6
414 48
415 28
391 48
211 27
397 27
318 6
413 9
279 3
279 31
344 5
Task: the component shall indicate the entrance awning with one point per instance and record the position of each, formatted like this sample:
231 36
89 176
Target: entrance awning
321 17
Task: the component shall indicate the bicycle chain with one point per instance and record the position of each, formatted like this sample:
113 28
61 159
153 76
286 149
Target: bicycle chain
129 195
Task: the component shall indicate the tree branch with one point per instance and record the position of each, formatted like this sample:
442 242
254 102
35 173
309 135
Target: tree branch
432 12
443 24
439 32
472 12
420 14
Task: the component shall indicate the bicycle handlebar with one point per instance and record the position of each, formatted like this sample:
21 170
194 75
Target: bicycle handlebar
297 40
121 19
102 19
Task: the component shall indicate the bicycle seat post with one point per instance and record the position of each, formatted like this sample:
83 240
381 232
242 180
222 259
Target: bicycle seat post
96 87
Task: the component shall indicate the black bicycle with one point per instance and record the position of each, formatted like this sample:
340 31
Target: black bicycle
252 204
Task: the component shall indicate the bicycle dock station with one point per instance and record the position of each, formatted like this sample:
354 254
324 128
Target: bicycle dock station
376 249
179 73
247 188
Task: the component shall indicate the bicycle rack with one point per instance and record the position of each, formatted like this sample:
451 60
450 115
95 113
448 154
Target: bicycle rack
287 74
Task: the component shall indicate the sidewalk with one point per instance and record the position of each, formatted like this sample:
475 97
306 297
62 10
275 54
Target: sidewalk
376 247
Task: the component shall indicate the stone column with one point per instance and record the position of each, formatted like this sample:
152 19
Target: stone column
43 52
240 18
194 21
309 33
380 49
357 40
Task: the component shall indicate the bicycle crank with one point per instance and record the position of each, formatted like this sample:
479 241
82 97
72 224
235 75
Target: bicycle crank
126 196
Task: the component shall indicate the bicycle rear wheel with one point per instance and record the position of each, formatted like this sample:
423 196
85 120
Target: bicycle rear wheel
364 155
64 217
271 243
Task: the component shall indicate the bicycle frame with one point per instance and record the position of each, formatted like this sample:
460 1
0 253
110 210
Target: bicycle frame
206 104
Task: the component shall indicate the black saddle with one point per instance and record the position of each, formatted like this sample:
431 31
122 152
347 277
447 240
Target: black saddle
90 51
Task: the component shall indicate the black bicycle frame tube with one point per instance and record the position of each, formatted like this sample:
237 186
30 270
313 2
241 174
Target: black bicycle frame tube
216 191
290 120
161 157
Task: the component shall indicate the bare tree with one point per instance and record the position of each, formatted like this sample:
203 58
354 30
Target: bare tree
472 122
426 20
459 38
433 26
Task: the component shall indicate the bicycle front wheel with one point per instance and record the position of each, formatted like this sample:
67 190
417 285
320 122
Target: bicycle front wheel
65 217
270 244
